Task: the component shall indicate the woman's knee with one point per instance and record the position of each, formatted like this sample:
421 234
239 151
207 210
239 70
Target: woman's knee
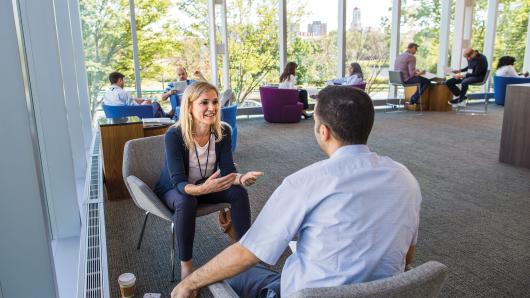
185 203
238 192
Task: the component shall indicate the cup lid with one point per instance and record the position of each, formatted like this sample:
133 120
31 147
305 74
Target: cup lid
127 279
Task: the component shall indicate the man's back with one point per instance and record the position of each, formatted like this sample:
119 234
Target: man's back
406 64
116 96
356 215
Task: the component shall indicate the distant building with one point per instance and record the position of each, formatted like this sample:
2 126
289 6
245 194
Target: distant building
317 28
356 20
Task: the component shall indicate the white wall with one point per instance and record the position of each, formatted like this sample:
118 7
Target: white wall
26 267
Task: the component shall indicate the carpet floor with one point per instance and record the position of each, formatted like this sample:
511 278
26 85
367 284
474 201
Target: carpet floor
474 217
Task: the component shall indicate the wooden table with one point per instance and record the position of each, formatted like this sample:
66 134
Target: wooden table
515 137
114 134
435 98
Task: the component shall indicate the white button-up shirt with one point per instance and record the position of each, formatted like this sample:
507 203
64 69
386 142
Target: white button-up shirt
356 214
116 96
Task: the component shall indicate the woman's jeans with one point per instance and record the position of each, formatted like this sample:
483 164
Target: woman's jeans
185 210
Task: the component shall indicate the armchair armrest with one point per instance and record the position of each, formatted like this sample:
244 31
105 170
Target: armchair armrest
222 290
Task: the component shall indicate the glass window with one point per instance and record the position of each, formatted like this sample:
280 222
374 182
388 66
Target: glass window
312 40
368 42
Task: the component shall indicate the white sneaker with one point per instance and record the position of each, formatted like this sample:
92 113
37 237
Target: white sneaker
463 103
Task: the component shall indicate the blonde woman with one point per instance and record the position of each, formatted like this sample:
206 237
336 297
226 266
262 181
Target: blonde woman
199 168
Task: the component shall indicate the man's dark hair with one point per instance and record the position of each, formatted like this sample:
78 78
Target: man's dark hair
347 111
413 45
115 76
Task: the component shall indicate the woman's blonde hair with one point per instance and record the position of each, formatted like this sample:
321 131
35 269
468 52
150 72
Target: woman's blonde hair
191 94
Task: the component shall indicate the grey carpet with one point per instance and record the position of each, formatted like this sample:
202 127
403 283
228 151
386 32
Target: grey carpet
474 218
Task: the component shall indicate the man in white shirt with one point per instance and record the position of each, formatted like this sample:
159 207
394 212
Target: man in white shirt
356 214
117 96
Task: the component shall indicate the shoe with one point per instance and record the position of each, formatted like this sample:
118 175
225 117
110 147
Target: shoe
455 102
462 103
307 115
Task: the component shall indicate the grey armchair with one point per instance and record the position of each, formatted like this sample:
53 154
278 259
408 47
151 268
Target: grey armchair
423 281
142 164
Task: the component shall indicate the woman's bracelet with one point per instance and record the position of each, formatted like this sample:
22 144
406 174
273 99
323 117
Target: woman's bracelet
240 175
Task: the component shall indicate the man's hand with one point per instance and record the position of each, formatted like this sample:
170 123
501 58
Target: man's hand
458 76
250 178
214 184
180 291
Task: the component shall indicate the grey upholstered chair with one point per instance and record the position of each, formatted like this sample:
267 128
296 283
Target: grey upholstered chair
424 281
142 164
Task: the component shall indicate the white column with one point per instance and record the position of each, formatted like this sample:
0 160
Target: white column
224 40
443 45
491 29
69 75
526 65
282 33
489 38
462 32
212 41
82 81
48 94
341 38
394 39
25 245
137 78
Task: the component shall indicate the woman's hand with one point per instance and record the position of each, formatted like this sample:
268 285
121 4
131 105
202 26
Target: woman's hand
249 178
215 184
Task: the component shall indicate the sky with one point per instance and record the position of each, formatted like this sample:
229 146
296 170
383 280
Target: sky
327 12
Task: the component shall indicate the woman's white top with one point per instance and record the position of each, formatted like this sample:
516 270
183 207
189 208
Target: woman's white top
194 172
506 71
354 79
289 83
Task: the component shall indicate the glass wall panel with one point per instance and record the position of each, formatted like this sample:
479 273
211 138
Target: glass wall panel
368 42
312 40
252 46
420 23
512 26
170 33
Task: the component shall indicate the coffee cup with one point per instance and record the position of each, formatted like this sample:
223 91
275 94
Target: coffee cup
127 282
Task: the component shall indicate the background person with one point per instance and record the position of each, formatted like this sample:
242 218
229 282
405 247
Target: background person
356 214
474 72
199 168
406 64
173 88
288 81
117 96
505 68
355 76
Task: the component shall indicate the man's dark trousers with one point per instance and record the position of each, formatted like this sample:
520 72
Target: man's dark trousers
424 84
451 84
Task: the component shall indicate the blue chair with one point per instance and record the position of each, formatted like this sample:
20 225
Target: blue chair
142 111
500 84
228 115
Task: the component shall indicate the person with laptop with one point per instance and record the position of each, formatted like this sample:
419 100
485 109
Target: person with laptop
356 214
474 72
406 64
178 86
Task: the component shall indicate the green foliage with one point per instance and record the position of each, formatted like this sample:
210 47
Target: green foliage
108 45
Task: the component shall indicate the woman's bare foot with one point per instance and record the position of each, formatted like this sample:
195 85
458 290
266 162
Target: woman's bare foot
225 221
186 268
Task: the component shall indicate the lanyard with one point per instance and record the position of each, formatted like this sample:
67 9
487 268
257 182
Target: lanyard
207 157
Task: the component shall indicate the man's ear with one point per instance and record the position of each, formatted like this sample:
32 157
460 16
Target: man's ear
324 132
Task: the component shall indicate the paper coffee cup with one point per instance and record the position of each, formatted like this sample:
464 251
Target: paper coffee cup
127 281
